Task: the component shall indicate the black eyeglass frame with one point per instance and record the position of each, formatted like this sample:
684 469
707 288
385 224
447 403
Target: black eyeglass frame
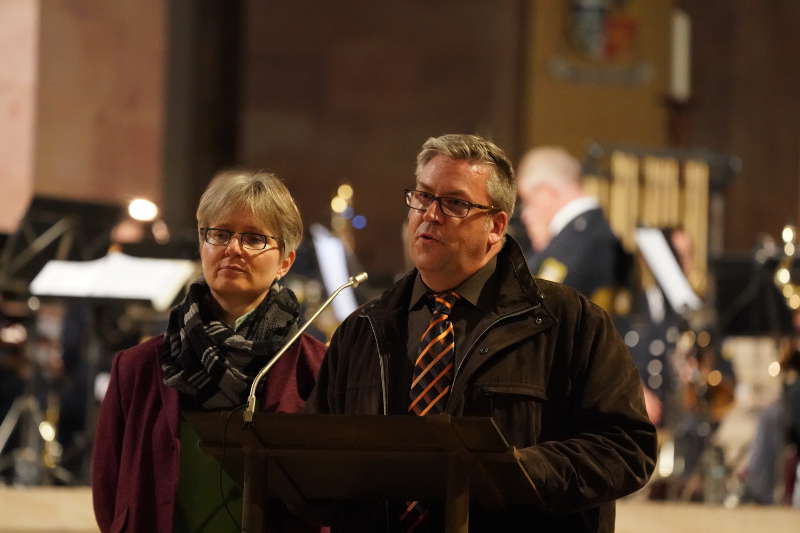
278 240
408 194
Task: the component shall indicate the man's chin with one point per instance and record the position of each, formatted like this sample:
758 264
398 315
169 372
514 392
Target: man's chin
427 262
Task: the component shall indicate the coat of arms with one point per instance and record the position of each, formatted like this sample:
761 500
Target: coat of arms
601 44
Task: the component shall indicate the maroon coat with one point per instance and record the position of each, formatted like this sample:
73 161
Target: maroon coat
136 459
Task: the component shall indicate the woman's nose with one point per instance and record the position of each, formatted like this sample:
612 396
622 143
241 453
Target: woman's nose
232 248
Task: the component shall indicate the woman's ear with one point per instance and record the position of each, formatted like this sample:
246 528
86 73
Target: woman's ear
286 264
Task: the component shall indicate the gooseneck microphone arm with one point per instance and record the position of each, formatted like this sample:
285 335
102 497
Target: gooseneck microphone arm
249 412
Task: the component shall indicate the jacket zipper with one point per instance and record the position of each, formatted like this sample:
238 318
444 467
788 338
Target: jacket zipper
381 364
490 326
384 397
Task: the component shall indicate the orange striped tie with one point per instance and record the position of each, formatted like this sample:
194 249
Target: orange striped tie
433 375
433 368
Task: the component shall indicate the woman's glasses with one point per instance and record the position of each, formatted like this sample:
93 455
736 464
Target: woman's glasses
249 241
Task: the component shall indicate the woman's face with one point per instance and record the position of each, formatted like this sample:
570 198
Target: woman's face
236 275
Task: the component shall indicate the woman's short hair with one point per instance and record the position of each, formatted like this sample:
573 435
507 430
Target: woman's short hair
261 193
501 186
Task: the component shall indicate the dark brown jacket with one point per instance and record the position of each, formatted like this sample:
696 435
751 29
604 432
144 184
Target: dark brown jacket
546 364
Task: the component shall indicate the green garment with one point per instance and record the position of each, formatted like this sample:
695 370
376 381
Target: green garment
200 501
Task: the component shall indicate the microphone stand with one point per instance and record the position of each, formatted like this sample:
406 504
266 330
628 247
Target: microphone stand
252 514
249 412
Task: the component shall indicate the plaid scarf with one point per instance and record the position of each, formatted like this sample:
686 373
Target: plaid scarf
214 365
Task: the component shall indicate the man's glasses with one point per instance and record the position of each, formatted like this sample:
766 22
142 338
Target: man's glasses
451 207
249 241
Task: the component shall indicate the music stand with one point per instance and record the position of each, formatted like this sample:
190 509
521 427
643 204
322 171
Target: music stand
665 268
54 228
303 459
114 278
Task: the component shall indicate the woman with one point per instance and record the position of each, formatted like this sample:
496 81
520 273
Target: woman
148 474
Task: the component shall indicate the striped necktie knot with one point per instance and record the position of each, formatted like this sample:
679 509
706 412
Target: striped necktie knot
441 303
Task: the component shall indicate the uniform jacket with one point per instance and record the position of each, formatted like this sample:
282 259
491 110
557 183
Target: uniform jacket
547 365
587 256
136 458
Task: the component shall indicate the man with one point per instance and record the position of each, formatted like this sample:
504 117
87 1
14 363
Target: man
539 358
574 245
572 241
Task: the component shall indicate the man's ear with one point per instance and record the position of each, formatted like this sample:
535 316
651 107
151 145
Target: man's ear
499 223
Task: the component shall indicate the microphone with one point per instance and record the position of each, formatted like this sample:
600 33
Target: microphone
249 412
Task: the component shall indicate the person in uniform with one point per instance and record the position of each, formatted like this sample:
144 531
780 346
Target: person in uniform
571 240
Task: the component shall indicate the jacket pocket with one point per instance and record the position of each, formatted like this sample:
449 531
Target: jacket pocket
363 399
120 522
517 410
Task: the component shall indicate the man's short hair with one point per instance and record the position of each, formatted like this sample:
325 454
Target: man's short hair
551 165
501 185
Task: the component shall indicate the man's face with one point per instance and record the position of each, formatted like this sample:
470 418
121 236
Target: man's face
539 206
447 250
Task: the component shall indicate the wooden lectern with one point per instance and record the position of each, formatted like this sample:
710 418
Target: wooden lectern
307 458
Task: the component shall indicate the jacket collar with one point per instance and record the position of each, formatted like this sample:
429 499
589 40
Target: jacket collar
513 283
517 287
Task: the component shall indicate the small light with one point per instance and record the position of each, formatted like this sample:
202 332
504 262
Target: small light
33 303
127 231
666 459
141 209
160 232
47 431
672 334
657 347
703 339
345 191
687 340
774 369
359 222
782 276
655 381
794 301
338 204
787 291
788 234
13 334
714 378
348 213
631 339
654 367
731 501
788 249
